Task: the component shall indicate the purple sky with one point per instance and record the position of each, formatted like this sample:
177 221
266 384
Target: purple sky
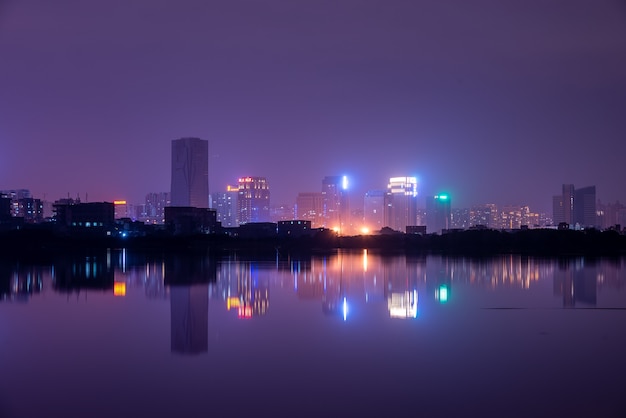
491 101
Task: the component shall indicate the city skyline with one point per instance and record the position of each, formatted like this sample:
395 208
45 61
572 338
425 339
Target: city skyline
489 102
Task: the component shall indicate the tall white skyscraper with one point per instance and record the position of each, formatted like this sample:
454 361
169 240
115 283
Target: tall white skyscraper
401 203
190 172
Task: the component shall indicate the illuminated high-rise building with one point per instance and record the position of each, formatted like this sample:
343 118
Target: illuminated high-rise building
253 200
335 203
438 213
190 172
401 203
225 204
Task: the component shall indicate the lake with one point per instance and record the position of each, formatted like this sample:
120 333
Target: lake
122 334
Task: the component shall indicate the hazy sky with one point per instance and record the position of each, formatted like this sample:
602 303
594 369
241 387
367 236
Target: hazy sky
490 100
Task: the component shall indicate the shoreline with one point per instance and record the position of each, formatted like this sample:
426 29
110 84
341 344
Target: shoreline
533 242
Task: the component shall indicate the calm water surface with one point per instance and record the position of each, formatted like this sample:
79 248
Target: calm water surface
118 334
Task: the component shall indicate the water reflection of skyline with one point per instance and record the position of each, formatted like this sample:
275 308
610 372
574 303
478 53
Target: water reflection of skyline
243 286
174 330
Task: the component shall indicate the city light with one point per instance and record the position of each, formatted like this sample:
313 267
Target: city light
245 312
345 309
365 260
403 185
344 183
403 305
232 302
119 289
441 294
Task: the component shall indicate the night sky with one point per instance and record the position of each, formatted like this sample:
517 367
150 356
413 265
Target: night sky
489 100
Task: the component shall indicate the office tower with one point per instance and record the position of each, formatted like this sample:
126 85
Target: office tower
225 204
563 205
310 207
557 210
253 200
585 207
438 212
374 209
190 172
575 206
335 203
568 203
401 203
154 208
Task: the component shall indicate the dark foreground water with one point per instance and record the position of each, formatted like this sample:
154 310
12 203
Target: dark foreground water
122 335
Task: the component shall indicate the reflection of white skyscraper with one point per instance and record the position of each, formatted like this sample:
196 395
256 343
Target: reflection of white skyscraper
190 172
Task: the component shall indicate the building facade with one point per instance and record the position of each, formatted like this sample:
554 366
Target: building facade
154 207
575 207
401 203
253 200
310 207
190 172
438 213
374 210
225 204
335 203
